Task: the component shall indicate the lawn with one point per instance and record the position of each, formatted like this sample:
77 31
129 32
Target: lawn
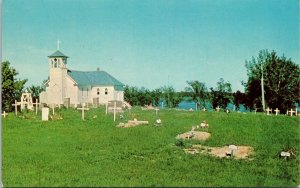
94 152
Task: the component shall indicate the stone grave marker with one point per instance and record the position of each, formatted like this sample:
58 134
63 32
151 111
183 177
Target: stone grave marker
232 148
45 114
204 109
276 111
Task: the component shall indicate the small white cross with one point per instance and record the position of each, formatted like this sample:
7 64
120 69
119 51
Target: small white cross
268 111
115 108
16 107
36 105
82 111
218 109
4 114
276 111
58 44
291 111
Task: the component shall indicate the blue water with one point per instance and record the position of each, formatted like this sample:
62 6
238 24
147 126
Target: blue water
192 105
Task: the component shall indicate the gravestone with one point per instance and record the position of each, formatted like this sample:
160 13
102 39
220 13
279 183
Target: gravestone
218 109
204 109
45 114
231 148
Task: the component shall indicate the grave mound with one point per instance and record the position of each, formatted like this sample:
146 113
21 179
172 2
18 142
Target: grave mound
132 123
197 135
242 152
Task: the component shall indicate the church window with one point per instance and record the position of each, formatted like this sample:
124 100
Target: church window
106 91
98 91
81 91
55 65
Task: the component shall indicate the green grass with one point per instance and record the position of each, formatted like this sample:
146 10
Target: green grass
94 152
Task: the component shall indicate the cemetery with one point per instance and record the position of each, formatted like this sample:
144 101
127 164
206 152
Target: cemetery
59 146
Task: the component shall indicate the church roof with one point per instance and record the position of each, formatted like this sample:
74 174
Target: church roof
58 54
95 78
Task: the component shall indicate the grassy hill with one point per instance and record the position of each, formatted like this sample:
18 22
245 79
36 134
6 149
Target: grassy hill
94 152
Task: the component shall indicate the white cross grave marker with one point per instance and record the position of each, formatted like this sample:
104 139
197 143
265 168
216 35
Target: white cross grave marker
16 107
204 109
162 105
296 111
268 111
82 110
255 110
276 111
291 111
115 108
218 109
4 114
36 105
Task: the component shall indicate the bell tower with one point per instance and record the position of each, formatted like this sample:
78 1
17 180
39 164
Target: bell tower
57 77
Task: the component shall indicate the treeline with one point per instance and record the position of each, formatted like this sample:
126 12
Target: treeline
281 87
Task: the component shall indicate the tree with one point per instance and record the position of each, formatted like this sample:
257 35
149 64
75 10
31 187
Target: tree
171 97
12 88
222 94
35 91
239 98
281 81
199 92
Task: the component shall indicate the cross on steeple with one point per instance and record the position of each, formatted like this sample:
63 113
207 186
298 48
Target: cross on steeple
58 44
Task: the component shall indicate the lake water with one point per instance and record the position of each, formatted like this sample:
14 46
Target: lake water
192 105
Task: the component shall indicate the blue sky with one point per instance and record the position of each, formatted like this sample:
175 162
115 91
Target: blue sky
149 43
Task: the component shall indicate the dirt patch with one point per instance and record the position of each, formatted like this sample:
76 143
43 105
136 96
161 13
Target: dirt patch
242 152
197 135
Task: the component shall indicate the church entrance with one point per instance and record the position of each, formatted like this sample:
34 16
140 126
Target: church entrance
96 101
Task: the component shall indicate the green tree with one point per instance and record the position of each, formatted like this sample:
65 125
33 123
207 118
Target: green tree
12 88
222 94
199 92
35 91
171 97
281 81
239 98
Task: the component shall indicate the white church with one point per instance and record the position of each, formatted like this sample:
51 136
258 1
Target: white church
71 87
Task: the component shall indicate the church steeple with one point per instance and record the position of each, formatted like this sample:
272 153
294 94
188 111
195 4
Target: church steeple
57 60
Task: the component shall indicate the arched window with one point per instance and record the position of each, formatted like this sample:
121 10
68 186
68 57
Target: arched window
55 65
98 91
106 91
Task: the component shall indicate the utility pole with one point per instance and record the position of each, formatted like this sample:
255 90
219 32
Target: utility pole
168 93
262 88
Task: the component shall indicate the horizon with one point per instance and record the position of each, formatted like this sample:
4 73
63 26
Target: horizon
149 44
